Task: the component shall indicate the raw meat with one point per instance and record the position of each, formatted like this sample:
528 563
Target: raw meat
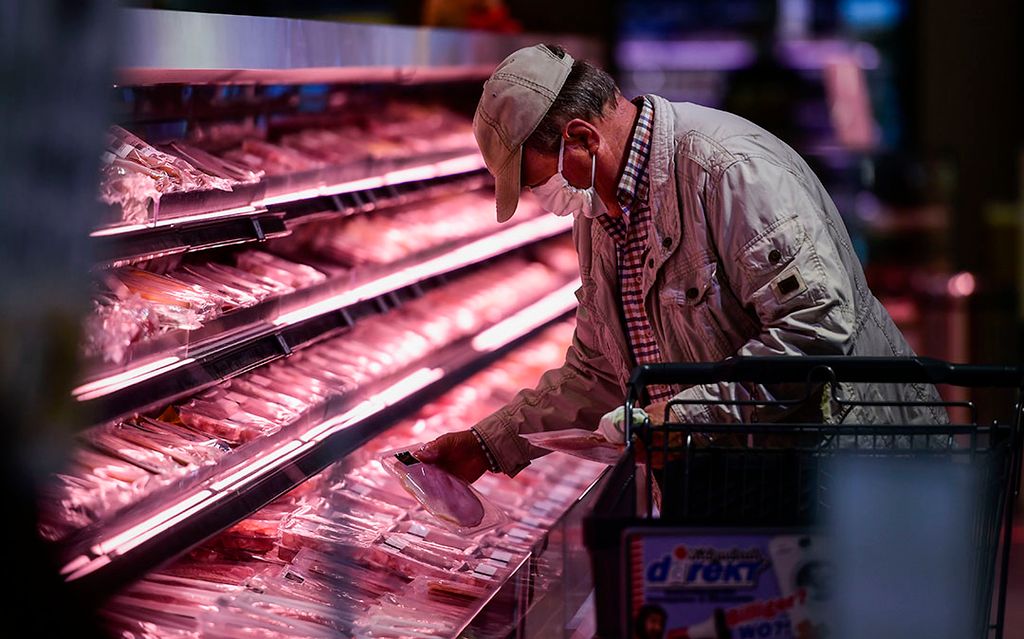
443 494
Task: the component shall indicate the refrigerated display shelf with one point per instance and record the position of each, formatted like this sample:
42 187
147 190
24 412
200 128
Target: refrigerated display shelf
186 236
183 361
105 557
199 220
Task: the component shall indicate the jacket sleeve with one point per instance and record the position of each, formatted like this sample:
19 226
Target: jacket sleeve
576 395
773 241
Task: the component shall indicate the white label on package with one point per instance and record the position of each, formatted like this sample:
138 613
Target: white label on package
519 533
501 555
419 530
544 506
533 521
123 150
395 542
486 569
563 493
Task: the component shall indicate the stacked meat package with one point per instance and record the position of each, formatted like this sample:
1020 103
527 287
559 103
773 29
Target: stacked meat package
122 462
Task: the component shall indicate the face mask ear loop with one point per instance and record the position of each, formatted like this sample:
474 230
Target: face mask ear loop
561 155
593 170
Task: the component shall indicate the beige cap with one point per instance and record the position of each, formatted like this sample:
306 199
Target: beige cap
515 99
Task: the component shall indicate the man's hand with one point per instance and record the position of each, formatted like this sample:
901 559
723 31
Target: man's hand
656 414
459 453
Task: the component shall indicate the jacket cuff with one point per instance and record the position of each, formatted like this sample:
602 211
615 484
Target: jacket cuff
510 451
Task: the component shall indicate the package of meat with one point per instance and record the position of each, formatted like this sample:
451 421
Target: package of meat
226 420
251 616
448 593
180 442
438 536
263 263
246 387
110 439
455 504
347 573
134 623
579 443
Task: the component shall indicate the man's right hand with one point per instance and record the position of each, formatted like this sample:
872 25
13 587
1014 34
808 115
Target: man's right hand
459 453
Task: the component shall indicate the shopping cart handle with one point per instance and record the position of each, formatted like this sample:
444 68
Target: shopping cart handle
793 369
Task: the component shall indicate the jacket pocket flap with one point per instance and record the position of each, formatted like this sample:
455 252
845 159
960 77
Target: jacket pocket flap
774 248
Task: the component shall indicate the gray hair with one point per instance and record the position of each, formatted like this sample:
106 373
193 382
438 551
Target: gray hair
586 94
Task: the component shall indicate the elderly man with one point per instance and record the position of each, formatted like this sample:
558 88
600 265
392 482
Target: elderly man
700 236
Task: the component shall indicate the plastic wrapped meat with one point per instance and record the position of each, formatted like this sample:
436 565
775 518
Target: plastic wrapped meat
276 159
110 439
580 443
183 444
263 263
214 165
225 420
454 502
239 293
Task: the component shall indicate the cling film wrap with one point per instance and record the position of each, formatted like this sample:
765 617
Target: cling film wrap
455 504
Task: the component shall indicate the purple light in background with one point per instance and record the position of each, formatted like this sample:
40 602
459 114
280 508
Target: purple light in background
685 55
815 54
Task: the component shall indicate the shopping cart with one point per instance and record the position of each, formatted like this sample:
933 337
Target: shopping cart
764 490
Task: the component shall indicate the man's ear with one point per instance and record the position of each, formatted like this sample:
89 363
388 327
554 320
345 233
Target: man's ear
584 134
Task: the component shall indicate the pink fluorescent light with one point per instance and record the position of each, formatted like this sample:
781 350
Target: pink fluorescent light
409 385
290 197
360 412
548 308
107 385
424 172
172 221
74 564
355 185
484 248
254 466
105 547
170 523
464 164
93 566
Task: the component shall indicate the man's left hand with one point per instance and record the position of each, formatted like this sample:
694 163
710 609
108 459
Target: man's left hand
656 412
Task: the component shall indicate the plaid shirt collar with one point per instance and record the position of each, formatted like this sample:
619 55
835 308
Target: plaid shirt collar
634 173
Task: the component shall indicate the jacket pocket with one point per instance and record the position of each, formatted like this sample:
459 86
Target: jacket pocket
693 301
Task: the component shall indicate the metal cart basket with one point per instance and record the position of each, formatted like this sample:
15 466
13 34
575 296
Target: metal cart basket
730 479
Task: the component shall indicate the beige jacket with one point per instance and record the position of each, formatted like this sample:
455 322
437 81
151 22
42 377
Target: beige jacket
746 255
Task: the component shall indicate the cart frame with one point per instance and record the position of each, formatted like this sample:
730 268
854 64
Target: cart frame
818 372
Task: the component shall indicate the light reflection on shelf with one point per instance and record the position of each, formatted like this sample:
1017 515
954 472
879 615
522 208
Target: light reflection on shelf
490 246
107 385
550 307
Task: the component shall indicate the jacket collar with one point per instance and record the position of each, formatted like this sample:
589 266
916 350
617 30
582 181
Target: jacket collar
661 170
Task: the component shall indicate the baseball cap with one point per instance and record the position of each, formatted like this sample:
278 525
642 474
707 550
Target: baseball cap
515 99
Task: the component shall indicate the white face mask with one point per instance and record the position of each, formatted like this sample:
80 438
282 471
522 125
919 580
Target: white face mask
557 196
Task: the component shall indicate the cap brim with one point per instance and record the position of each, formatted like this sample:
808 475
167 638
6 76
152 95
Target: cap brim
507 186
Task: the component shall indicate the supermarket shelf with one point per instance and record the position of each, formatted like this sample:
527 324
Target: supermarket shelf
185 361
100 560
184 222
160 46
185 235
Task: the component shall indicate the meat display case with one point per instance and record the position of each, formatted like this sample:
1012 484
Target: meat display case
365 339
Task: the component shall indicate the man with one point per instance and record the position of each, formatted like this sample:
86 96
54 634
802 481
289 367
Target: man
700 236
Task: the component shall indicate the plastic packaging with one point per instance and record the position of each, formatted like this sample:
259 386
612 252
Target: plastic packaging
580 443
455 504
